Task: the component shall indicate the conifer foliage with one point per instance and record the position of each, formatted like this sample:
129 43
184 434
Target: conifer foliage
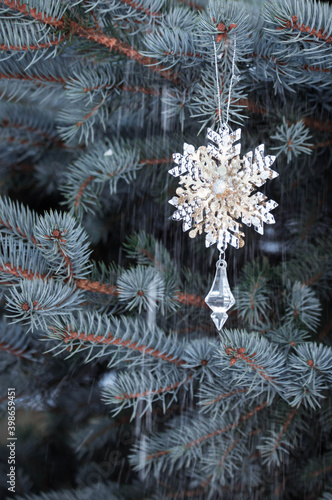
105 334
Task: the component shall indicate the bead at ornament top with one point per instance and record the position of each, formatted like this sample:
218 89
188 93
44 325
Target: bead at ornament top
217 188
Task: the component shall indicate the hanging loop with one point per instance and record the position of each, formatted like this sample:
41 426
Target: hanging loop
217 81
223 125
231 82
221 255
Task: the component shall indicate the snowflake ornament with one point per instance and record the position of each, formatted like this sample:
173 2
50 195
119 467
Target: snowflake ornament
219 188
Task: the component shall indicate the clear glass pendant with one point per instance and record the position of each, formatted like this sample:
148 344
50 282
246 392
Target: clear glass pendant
220 297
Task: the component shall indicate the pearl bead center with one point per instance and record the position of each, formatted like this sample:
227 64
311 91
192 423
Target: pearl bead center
219 186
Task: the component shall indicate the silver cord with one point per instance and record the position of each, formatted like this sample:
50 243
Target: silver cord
231 83
217 80
218 86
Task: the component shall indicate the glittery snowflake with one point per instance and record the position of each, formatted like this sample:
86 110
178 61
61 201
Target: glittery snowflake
219 189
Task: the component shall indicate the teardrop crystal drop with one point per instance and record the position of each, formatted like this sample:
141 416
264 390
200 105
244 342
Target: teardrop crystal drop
220 297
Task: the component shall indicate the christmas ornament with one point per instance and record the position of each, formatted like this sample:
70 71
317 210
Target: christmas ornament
219 192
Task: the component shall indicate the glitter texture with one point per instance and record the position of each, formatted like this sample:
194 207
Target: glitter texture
218 188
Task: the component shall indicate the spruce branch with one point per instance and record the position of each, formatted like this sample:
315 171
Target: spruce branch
27 37
184 445
144 288
223 22
254 360
96 287
308 391
96 435
123 48
125 338
310 264
205 101
292 23
172 46
320 125
112 163
210 395
82 83
83 196
17 219
60 249
222 462
253 295
288 338
129 390
317 469
293 140
193 5
201 355
18 261
33 301
240 32
309 358
46 12
94 35
14 343
327 495
149 251
32 120
302 306
78 86
275 446
63 243
82 120
109 490
142 11
32 78
224 445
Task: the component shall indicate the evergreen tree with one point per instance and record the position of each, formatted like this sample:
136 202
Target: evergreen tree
105 334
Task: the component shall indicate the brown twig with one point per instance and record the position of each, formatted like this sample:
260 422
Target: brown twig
95 35
91 178
239 353
283 430
128 344
222 396
307 30
212 434
153 392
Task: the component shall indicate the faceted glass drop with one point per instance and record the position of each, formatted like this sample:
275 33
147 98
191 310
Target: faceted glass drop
220 297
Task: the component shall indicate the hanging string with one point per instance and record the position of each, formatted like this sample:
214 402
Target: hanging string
217 80
231 83
223 125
